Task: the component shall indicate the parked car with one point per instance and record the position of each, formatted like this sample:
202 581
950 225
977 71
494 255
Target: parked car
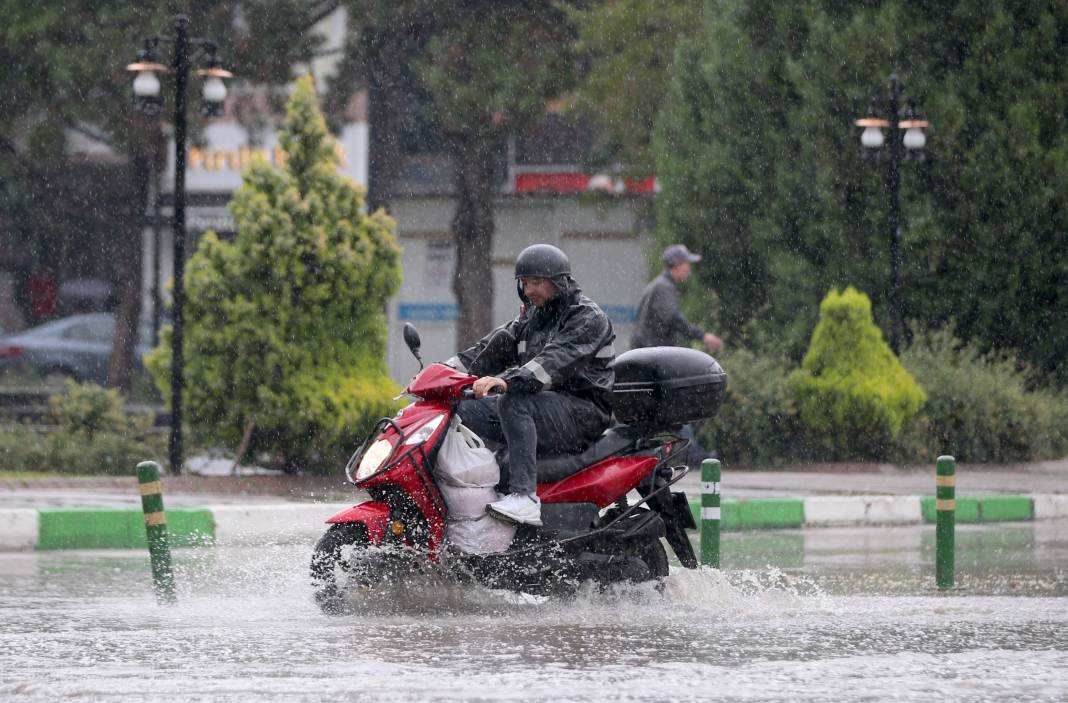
76 347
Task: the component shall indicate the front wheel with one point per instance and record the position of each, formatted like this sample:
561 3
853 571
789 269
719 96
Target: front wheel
338 564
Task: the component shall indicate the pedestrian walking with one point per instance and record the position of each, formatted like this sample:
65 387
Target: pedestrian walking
660 322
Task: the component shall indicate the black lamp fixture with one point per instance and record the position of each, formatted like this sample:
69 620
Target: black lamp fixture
214 91
147 97
886 113
146 85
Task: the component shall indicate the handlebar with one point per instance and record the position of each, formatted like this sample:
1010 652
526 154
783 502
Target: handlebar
469 392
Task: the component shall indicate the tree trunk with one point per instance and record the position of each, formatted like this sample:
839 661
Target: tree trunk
472 232
386 116
127 274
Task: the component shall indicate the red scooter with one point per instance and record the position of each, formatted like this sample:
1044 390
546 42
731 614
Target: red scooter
590 530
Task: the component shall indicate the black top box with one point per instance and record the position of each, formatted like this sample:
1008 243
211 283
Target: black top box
664 387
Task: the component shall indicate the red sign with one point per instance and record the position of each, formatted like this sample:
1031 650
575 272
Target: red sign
571 182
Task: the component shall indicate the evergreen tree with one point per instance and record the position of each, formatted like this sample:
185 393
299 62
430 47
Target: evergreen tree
628 46
761 167
286 324
62 72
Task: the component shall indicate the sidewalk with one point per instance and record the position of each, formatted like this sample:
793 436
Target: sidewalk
1048 477
104 512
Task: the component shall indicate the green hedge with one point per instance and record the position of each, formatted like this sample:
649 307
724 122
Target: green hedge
759 422
25 448
88 433
980 408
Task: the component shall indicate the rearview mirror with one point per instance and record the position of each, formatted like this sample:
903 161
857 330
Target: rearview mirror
411 338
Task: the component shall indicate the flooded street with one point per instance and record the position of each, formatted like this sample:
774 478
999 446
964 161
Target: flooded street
814 615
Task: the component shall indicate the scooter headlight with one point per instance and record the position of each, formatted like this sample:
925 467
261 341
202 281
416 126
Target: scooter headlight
423 433
373 458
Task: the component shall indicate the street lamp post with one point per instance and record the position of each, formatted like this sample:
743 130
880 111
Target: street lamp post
146 88
886 113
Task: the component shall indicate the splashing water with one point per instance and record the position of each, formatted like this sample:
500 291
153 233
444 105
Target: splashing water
246 627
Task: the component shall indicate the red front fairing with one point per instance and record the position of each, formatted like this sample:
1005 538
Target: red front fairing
372 514
408 421
439 382
602 483
410 470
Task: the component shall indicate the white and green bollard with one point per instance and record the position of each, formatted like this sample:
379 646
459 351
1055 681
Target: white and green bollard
159 548
945 525
710 513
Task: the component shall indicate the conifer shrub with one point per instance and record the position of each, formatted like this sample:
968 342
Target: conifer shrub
853 394
285 326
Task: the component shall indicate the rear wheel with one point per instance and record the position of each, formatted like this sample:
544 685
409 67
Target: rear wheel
639 560
651 551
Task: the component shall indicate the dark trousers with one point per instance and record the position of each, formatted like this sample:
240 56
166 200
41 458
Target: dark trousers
546 423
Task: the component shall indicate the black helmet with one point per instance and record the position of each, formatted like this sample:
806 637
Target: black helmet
543 261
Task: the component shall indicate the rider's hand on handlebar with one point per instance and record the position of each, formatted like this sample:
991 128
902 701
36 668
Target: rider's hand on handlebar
489 384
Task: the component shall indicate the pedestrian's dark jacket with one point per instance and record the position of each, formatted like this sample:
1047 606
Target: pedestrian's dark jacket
659 321
565 346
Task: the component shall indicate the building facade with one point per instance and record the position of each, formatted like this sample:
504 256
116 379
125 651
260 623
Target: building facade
604 232
544 195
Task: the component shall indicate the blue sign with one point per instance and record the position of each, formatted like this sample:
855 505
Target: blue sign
427 312
622 314
448 312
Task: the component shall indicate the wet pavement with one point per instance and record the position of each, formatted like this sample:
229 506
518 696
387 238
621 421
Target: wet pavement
836 614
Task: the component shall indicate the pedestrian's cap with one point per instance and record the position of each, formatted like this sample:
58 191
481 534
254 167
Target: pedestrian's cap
678 253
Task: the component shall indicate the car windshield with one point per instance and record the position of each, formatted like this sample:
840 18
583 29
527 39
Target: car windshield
97 329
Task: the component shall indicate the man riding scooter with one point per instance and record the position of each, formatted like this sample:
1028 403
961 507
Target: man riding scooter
545 378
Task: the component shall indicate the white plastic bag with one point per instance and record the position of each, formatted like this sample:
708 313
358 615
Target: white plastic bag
464 460
466 501
485 535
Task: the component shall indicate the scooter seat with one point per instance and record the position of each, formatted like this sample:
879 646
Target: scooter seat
614 439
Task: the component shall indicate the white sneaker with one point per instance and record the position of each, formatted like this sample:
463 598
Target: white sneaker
517 507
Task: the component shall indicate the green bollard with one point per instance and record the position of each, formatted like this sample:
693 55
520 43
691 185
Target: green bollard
159 548
710 513
946 506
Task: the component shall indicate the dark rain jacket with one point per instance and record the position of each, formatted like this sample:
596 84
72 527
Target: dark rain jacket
659 322
566 346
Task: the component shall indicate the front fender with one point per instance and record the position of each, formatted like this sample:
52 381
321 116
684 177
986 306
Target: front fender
373 514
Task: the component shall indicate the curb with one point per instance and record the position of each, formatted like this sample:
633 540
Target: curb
27 529
860 511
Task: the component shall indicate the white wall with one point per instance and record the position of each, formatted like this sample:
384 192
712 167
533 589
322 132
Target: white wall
604 243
